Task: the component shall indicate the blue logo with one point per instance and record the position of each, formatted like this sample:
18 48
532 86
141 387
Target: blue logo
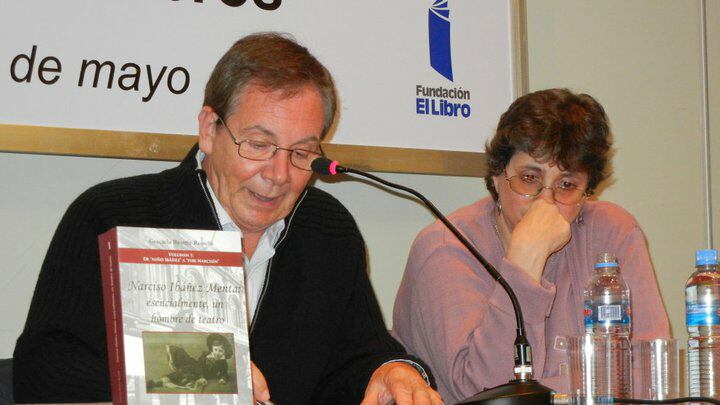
441 101
439 38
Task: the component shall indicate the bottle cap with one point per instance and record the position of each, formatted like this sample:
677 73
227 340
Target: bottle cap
606 260
706 256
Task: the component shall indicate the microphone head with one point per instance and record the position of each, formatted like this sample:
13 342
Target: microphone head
325 166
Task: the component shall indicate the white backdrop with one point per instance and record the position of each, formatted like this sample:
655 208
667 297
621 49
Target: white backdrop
378 52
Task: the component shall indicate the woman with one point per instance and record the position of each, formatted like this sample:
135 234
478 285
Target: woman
538 228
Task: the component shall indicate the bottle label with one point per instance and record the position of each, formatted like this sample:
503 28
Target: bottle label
702 315
606 315
609 313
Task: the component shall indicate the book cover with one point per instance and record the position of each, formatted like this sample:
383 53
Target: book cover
176 317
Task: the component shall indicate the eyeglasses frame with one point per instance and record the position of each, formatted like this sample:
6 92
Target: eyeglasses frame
274 152
542 187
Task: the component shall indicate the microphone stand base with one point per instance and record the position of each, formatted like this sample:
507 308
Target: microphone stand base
528 392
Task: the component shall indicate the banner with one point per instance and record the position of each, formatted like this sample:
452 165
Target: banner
432 74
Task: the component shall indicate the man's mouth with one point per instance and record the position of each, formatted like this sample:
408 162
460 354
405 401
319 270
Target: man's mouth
263 198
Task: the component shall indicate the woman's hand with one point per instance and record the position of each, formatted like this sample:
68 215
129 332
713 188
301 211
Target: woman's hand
541 232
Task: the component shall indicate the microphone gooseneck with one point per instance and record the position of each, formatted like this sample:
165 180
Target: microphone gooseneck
523 385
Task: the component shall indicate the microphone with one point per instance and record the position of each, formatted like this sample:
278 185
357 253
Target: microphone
325 166
523 389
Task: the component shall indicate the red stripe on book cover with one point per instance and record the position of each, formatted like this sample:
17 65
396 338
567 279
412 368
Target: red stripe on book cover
180 257
113 315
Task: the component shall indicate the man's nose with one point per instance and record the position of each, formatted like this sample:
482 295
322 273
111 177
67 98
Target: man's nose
278 167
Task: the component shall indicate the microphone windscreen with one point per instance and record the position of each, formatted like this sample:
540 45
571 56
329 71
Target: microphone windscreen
323 165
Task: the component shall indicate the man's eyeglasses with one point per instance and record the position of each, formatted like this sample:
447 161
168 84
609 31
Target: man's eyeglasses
260 150
529 185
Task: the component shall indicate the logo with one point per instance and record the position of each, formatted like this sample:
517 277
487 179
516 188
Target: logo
439 38
434 99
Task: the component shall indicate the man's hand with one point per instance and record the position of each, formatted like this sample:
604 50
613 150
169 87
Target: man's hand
541 232
261 392
402 383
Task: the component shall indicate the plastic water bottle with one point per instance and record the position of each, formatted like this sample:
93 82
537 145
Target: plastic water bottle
607 319
702 303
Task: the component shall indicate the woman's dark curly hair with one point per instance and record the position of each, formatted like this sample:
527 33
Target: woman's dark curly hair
556 125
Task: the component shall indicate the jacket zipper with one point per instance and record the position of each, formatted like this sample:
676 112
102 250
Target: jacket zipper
266 282
203 186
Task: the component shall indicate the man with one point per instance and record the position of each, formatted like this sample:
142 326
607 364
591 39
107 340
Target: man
316 332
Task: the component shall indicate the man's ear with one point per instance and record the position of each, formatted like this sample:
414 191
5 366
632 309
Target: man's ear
207 129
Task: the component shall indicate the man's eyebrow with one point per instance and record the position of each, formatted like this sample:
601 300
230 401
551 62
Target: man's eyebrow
260 128
308 139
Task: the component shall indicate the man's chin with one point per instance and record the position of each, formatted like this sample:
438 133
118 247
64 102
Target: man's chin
257 222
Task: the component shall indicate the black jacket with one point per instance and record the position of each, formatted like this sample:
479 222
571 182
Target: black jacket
318 333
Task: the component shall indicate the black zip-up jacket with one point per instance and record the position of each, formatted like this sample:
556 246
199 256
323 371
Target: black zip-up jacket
318 333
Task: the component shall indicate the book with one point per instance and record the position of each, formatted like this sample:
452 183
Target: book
175 315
